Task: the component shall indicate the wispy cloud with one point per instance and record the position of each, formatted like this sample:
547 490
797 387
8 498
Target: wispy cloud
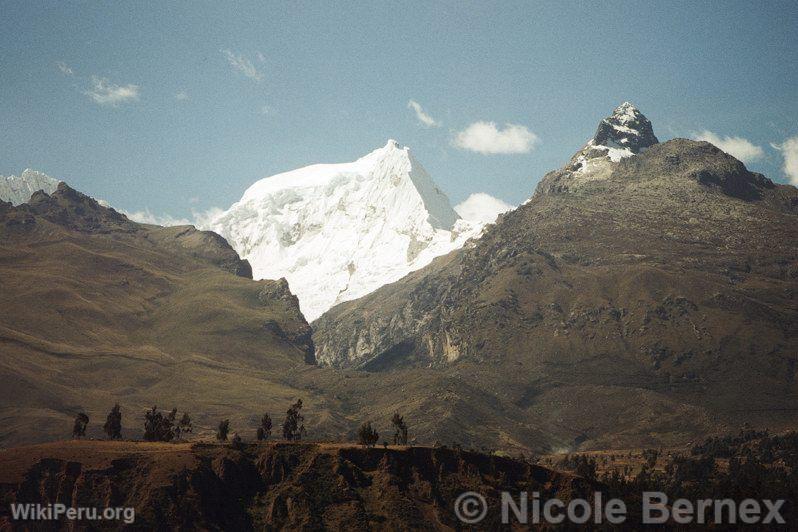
789 150
265 109
486 138
200 219
243 65
103 92
148 217
65 69
738 147
482 207
422 117
181 96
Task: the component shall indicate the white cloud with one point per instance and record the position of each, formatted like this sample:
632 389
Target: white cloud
243 65
737 147
147 217
181 96
260 56
203 220
789 150
486 138
200 219
422 117
103 92
481 207
64 68
265 109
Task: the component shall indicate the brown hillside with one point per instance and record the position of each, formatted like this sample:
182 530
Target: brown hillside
97 309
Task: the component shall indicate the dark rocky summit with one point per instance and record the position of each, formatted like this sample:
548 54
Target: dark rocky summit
627 127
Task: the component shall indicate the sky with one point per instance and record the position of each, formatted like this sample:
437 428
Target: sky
177 107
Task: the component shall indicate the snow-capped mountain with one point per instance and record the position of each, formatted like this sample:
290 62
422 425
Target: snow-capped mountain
340 231
19 189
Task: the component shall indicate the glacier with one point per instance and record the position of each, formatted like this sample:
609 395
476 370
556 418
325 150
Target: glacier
337 232
19 189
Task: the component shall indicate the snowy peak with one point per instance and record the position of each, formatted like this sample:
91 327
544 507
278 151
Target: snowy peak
339 231
394 163
19 189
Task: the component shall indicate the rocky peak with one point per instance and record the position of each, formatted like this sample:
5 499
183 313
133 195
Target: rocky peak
624 133
72 209
628 128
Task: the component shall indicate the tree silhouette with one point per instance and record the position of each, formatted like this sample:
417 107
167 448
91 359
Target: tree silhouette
400 430
224 428
185 423
79 428
265 428
366 435
158 427
113 423
294 424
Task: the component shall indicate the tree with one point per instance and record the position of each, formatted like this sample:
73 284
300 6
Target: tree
185 423
294 424
400 430
265 429
79 428
113 423
158 427
224 428
366 435
650 456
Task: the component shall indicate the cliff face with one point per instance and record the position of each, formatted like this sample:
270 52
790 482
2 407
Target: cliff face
666 280
272 486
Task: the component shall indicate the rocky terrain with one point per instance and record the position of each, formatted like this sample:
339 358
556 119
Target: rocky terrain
271 486
639 298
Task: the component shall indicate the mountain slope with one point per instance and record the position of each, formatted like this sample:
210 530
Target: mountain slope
98 309
339 231
626 305
19 189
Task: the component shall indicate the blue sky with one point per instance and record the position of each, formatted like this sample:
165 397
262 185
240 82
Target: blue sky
180 106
